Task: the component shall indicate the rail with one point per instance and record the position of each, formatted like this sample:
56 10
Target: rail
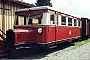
1 35
2 32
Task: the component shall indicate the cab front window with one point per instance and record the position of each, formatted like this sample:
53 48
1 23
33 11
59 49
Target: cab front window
35 19
31 19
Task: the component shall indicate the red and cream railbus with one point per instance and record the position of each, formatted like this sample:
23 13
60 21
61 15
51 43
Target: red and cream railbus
42 26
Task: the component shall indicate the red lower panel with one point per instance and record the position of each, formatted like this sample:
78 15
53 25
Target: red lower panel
49 33
67 32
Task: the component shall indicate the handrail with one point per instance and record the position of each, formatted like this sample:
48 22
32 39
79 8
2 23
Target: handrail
2 32
1 35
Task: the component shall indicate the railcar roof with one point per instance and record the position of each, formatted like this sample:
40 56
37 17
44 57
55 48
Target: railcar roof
42 7
36 8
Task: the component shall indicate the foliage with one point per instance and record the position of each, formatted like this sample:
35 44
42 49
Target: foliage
43 3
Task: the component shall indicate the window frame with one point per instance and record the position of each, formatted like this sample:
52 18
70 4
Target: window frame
63 18
79 23
25 20
70 22
75 23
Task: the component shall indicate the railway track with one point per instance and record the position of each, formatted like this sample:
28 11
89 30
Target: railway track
38 54
3 51
45 54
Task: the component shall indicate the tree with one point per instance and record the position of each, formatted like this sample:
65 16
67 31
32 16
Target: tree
43 3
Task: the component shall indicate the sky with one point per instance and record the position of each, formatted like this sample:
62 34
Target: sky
77 8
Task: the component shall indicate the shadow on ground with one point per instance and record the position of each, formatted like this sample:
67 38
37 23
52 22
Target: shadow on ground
29 54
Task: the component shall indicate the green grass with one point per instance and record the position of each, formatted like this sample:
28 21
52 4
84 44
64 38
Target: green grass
80 43
76 45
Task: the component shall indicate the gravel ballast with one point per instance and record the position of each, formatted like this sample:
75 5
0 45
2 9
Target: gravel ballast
80 53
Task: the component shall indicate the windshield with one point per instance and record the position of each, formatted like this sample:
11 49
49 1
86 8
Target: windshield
35 19
31 19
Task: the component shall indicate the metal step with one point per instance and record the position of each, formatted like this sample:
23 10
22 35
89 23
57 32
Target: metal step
3 55
3 51
52 47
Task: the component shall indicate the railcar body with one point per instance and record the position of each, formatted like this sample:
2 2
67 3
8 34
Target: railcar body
85 28
43 26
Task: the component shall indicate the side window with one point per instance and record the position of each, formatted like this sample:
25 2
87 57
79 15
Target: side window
16 22
20 20
51 18
27 19
69 21
63 20
78 23
75 22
